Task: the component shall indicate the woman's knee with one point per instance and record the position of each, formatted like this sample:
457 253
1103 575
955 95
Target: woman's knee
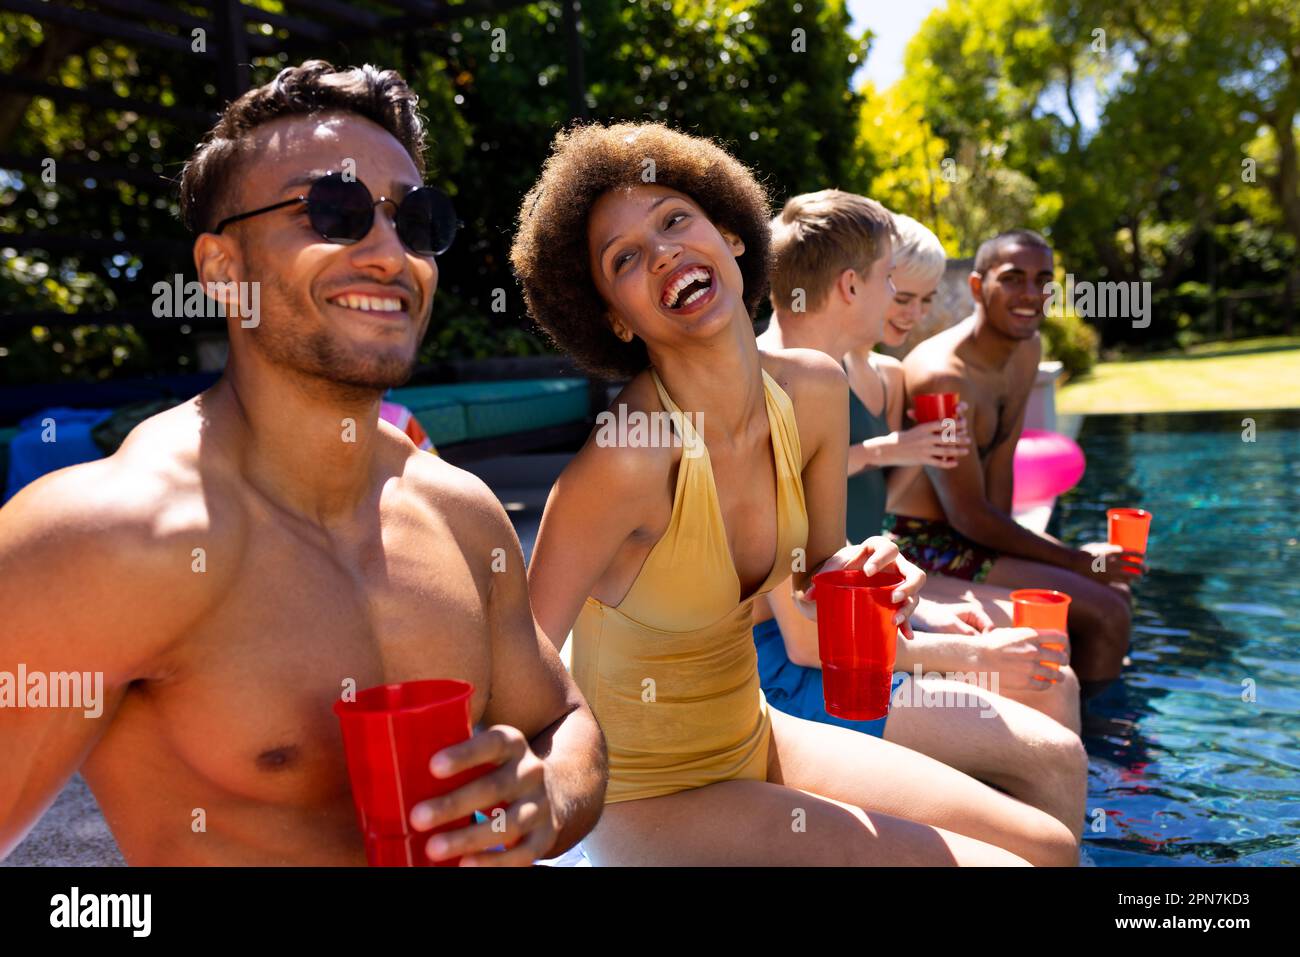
1051 756
1067 685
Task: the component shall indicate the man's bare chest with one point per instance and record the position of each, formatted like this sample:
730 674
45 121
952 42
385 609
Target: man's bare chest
245 698
992 414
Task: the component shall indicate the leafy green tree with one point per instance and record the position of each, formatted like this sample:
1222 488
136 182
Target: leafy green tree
769 78
1128 118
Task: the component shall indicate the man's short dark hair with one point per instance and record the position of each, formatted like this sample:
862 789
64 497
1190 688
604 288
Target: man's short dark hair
992 251
314 87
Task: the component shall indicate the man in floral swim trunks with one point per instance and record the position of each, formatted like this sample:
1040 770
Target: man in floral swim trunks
957 521
937 546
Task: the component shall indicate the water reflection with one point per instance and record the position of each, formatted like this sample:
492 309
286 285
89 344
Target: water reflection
1195 752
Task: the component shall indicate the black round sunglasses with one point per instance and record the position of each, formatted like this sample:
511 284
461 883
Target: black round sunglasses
343 211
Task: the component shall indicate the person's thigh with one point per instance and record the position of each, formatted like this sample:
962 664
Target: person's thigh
1016 573
879 775
994 739
755 823
966 727
995 599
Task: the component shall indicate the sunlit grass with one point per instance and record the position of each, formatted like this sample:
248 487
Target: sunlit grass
1246 374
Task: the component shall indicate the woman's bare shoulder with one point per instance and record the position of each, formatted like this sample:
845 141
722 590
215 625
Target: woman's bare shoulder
889 369
633 446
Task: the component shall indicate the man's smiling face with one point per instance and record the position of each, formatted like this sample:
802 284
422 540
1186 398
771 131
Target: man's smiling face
1014 290
351 314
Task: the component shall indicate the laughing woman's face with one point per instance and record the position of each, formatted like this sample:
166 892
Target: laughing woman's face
665 271
913 297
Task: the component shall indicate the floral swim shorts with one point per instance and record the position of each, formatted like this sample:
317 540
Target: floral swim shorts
936 546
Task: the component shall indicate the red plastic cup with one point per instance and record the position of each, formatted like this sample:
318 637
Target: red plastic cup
1129 528
934 406
390 732
856 638
1043 609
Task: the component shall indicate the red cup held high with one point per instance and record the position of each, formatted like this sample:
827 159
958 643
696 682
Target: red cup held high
935 406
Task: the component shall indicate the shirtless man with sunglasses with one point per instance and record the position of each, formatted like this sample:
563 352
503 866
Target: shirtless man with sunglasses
250 555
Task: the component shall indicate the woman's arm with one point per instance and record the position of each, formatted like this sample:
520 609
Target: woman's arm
891 374
868 454
596 505
919 445
798 632
872 453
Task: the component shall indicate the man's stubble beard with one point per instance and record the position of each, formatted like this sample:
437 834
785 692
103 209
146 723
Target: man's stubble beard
1006 330
315 353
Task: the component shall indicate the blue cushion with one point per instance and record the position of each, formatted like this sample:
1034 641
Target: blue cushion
520 405
30 456
442 416
458 411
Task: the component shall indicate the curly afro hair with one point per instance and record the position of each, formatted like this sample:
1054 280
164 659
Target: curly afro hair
550 254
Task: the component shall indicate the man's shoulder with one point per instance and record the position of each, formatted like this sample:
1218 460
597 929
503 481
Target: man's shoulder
123 554
441 483
114 550
456 499
934 365
807 372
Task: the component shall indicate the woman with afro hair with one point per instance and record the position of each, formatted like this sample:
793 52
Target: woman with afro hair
643 253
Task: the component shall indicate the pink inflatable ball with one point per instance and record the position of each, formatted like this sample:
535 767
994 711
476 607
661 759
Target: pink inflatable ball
1046 465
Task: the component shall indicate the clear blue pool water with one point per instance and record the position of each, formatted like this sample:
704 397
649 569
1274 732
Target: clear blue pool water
1183 770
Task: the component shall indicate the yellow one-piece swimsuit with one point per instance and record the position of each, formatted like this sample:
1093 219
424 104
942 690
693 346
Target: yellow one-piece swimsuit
671 671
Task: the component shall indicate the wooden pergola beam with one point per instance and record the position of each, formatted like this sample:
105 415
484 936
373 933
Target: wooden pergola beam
106 26
77 245
78 169
234 75
153 10
121 317
366 19
105 100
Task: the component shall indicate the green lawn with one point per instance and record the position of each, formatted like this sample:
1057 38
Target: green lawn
1246 374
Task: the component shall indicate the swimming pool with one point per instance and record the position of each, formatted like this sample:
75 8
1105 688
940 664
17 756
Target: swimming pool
1191 771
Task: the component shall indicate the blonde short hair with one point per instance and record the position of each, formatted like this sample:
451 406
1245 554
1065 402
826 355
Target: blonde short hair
818 236
917 251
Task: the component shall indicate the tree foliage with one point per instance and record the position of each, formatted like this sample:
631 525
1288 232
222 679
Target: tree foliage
1123 129
770 79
